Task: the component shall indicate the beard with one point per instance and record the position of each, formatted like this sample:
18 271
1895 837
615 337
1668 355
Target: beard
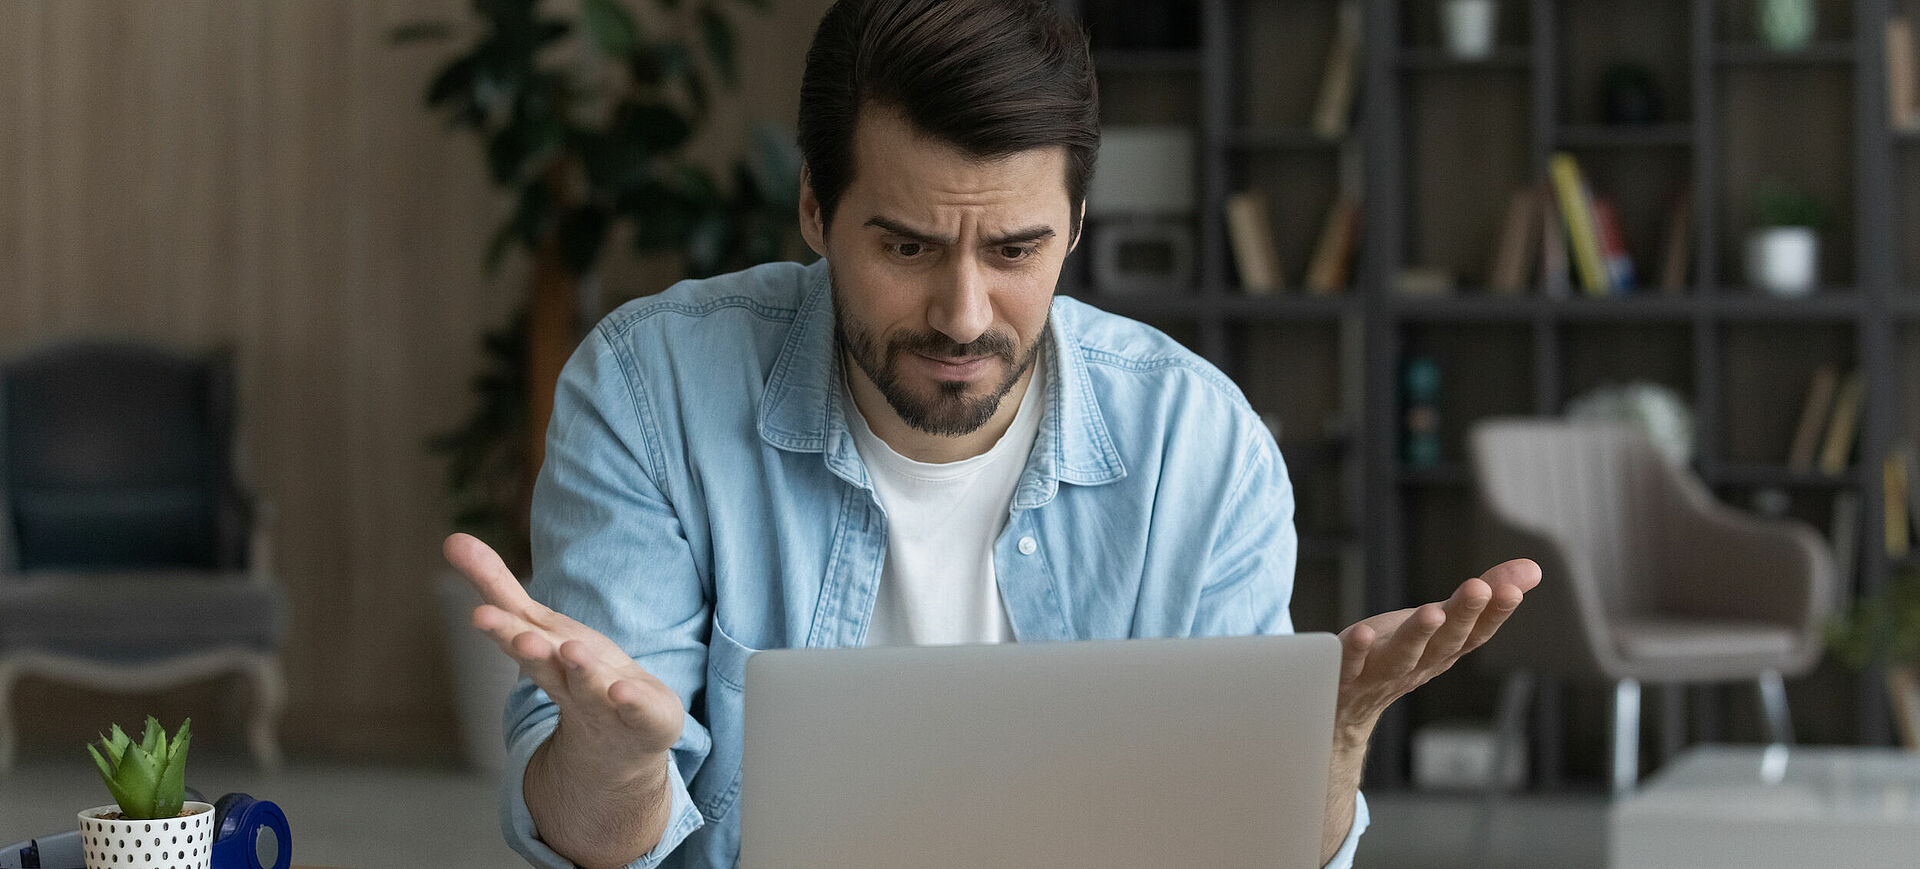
949 411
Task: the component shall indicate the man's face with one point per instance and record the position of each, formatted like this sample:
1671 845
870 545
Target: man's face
943 269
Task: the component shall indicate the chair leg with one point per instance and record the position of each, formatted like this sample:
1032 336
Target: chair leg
1509 734
269 692
1773 706
1626 736
9 673
1673 721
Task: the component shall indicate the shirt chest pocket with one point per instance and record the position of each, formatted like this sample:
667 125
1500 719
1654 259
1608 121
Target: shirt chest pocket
717 785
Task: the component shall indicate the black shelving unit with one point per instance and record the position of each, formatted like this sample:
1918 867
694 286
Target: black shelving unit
1442 143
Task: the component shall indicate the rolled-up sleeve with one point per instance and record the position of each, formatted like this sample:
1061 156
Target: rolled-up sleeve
609 552
1343 858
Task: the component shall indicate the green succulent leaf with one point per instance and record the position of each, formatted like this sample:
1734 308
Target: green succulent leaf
117 746
154 740
171 792
136 777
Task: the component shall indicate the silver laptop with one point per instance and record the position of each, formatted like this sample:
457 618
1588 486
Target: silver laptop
1114 754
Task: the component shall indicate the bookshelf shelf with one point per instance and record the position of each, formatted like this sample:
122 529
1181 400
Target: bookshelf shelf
1739 54
1777 475
1837 303
1440 476
1613 136
1153 305
1289 306
1282 138
1507 59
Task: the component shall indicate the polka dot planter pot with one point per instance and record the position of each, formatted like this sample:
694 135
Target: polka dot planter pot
174 843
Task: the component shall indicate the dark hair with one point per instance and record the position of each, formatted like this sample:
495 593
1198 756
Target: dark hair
990 77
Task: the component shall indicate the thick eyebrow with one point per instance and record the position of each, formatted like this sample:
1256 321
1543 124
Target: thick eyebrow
1019 236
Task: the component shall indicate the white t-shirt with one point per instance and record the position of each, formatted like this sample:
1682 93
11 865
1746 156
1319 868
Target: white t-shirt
938 585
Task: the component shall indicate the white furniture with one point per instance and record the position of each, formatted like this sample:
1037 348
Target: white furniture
1758 808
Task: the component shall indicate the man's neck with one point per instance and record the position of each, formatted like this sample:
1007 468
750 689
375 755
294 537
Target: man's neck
921 446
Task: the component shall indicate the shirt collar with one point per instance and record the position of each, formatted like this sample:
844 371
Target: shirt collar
801 409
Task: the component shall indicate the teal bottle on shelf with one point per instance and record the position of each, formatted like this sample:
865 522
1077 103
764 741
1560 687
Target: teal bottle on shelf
1420 383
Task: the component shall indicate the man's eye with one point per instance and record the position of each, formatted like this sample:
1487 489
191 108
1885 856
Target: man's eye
909 249
1017 252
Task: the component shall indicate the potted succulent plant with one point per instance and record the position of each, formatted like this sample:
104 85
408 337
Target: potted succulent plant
1783 253
150 823
1884 629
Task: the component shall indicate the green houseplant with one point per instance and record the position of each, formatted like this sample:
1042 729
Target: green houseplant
1783 253
1883 629
585 115
150 822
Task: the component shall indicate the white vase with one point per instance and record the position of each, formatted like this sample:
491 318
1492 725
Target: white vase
1469 26
1784 260
1786 25
482 677
170 843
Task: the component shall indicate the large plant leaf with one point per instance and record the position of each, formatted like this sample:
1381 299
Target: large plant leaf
454 81
154 740
170 793
610 26
583 232
716 30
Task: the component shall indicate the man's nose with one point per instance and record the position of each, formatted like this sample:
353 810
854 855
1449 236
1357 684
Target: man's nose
961 308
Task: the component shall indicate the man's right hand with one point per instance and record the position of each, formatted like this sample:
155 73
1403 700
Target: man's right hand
612 711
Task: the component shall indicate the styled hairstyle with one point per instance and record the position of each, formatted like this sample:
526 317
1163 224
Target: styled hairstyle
990 77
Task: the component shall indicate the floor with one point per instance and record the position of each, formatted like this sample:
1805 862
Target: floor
367 817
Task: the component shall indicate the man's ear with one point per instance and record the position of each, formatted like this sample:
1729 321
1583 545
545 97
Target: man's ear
1080 227
812 227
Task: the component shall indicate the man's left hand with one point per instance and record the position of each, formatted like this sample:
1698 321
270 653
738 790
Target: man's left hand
1384 657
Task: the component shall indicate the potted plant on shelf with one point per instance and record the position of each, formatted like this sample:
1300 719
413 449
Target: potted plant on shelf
1783 252
585 112
1883 630
150 823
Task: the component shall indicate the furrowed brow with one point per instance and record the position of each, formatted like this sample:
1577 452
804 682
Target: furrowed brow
900 229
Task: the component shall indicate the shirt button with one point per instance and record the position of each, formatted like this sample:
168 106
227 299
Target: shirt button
1028 545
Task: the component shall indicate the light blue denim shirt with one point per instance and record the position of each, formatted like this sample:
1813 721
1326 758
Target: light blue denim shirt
702 498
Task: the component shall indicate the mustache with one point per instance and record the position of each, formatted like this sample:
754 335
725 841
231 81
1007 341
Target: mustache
938 345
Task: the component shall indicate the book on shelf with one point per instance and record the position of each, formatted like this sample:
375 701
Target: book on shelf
1576 209
1331 268
1553 243
1893 493
1903 85
1340 81
1843 426
1250 232
1678 254
1813 417
1512 252
1613 245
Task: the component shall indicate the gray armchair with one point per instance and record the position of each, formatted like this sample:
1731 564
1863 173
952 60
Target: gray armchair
131 558
1648 578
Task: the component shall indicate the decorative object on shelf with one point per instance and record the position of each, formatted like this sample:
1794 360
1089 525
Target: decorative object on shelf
1424 281
148 783
1255 255
1678 255
1332 266
1469 27
1140 211
1420 385
1519 239
1657 410
1786 25
1883 630
1333 112
1629 96
1593 259
1903 82
1893 513
1783 251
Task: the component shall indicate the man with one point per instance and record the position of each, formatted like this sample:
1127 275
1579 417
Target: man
911 441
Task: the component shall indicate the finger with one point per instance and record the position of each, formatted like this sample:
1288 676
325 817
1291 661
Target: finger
1506 599
486 572
1520 573
1463 611
1355 643
540 661
1402 651
501 626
